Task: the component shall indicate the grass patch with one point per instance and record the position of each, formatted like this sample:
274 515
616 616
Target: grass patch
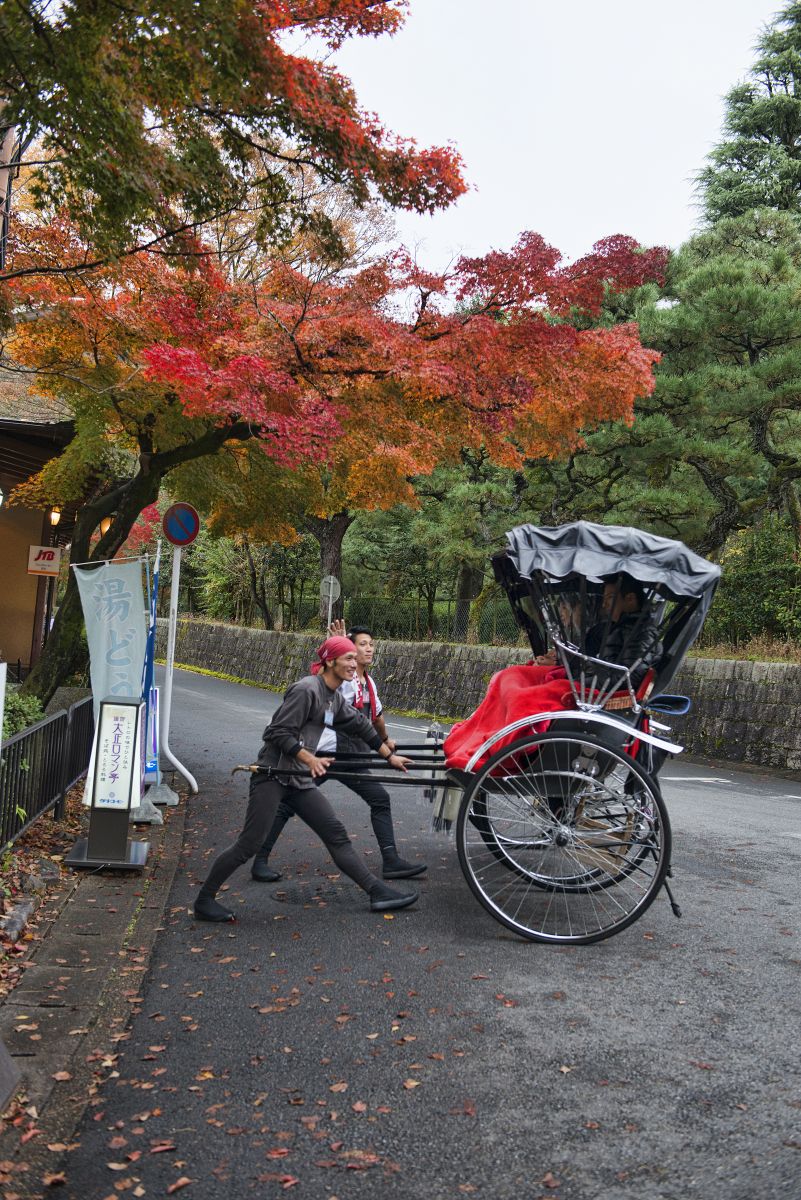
762 648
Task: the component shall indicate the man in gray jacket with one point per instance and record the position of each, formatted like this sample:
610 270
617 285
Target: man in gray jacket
300 735
360 691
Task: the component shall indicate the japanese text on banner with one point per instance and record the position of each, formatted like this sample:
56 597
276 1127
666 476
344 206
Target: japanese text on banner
113 601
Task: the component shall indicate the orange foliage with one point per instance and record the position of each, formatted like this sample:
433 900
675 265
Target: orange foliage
363 378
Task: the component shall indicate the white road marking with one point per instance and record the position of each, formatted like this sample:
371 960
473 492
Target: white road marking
790 834
412 728
695 779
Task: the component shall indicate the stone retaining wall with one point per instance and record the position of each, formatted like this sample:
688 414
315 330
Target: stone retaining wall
742 711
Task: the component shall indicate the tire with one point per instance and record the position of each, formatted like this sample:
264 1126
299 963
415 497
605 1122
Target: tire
563 838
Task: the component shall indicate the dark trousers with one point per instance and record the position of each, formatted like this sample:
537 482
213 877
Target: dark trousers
373 793
312 807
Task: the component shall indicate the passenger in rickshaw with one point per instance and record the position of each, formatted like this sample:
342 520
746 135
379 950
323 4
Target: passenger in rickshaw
627 635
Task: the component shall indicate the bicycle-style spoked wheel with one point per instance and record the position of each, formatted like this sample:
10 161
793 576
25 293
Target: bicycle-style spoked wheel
563 838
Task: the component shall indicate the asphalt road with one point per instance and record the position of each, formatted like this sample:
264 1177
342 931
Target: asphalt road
320 1049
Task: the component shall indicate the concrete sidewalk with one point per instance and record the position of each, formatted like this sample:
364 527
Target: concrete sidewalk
63 1021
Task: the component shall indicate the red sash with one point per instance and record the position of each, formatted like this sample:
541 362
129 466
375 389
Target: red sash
358 700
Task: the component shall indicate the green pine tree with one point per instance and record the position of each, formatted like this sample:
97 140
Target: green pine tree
758 164
719 441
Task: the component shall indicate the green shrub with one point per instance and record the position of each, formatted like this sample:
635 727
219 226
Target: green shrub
20 712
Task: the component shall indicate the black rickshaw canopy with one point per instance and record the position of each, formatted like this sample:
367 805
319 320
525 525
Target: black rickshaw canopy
539 560
600 551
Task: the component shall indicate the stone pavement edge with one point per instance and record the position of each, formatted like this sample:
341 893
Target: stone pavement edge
64 1020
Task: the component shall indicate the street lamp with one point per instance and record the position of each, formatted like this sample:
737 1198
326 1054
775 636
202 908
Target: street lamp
105 525
55 516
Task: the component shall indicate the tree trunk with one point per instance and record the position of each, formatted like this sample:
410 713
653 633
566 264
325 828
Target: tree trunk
794 511
430 598
468 585
330 532
490 591
66 651
258 590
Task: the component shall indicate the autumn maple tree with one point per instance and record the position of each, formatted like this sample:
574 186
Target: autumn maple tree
144 121
485 358
99 341
325 373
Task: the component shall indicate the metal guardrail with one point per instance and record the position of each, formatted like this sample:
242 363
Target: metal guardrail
39 765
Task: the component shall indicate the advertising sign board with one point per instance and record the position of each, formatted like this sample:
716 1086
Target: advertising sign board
118 777
44 560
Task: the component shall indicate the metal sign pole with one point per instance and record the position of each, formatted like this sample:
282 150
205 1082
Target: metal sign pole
166 703
329 592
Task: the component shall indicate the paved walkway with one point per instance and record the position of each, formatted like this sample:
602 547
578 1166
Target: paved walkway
63 1023
317 1048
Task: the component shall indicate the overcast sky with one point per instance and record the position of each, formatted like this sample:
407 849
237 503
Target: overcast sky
576 120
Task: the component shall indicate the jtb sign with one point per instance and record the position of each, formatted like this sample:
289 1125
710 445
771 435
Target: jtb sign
44 560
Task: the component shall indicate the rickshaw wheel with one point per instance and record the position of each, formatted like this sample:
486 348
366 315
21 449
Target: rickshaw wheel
563 838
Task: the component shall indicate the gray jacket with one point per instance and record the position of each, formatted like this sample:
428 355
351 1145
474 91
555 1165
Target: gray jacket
299 721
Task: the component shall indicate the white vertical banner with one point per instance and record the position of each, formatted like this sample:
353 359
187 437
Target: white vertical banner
114 606
114 611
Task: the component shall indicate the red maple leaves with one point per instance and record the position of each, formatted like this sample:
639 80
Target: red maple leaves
407 366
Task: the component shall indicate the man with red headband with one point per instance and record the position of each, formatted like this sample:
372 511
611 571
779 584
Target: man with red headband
362 694
296 737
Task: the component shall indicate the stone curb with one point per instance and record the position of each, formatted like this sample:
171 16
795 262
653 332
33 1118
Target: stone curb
14 922
62 1107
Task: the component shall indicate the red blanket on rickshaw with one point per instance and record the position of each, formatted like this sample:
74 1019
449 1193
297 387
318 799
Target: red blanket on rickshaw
512 693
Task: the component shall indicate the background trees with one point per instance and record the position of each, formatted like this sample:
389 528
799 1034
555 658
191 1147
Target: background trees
269 361
758 163
416 380
149 120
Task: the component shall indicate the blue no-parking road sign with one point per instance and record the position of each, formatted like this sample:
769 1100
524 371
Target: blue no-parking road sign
181 524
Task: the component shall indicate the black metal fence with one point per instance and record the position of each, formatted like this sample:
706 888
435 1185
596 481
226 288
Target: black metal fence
40 765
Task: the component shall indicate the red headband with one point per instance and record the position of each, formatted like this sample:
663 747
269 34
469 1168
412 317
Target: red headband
333 647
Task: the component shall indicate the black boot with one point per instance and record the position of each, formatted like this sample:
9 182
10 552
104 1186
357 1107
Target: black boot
396 867
383 899
207 909
262 872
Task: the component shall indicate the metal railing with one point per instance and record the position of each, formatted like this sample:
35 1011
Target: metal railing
39 765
